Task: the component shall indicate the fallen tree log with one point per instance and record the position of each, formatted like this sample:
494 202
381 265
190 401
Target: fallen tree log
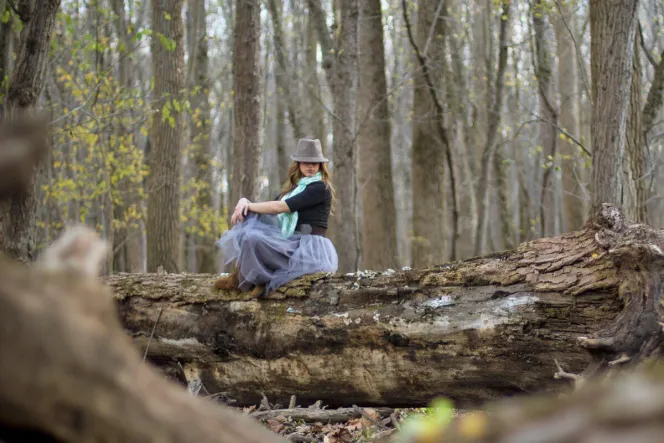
472 330
69 373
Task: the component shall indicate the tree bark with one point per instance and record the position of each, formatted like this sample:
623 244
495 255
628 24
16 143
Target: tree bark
635 189
127 239
340 63
286 77
17 213
568 90
472 331
246 101
314 95
68 372
163 227
201 127
379 241
548 125
495 111
428 161
612 29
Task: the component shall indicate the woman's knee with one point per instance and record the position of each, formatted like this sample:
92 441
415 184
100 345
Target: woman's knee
251 238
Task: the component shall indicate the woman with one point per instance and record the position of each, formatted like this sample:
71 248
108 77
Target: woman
274 242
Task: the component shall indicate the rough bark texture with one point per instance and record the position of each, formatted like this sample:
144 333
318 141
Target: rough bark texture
612 29
69 373
428 161
629 406
379 236
163 223
568 90
17 213
472 330
635 189
246 101
340 63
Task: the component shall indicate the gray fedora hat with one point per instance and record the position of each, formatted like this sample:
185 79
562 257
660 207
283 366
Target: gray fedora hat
309 151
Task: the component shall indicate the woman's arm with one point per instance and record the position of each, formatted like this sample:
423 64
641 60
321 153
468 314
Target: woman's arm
273 207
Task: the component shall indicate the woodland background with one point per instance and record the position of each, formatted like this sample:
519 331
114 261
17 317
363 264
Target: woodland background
165 113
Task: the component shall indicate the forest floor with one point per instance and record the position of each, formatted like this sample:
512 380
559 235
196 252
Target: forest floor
319 424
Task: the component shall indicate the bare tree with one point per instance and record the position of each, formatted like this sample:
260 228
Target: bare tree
200 127
127 240
495 110
635 189
568 111
549 120
379 242
246 100
163 224
612 29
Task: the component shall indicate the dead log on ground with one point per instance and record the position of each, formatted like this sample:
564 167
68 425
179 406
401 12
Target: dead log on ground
626 408
69 372
472 330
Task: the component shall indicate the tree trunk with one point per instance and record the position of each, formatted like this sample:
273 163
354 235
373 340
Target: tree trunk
635 189
5 47
340 63
379 242
167 46
568 90
314 96
495 111
612 29
472 331
285 75
128 238
201 127
548 124
428 164
17 212
246 101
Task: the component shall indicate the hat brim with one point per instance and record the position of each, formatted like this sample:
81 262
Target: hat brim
309 159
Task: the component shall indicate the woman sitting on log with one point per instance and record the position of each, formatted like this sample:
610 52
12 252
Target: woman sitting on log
274 242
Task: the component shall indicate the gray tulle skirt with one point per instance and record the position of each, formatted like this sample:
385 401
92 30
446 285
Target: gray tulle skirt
264 257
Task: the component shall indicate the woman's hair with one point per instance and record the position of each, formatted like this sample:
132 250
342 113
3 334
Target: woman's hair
294 176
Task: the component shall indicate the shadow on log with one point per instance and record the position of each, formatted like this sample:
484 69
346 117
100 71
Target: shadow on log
472 331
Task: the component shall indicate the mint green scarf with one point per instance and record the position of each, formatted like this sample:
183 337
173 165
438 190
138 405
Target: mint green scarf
288 220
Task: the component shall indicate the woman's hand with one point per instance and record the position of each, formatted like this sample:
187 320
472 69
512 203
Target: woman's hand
241 210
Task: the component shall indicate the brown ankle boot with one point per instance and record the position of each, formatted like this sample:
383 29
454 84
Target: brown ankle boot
258 291
230 281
